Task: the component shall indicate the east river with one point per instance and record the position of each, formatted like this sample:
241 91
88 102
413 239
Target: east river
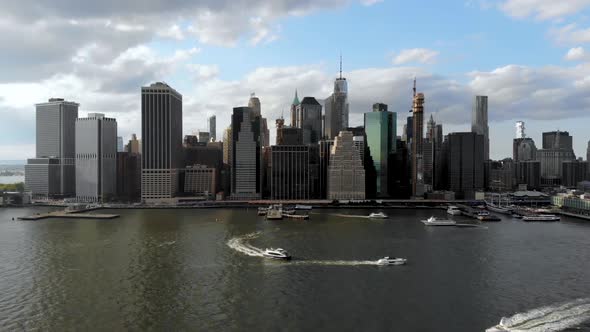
201 270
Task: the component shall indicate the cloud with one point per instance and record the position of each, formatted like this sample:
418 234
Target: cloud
570 34
543 9
370 2
416 55
576 54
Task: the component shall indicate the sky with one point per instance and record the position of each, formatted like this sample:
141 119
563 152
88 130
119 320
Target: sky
530 57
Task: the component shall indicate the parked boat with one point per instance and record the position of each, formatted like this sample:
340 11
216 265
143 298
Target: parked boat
541 217
303 207
453 210
275 212
499 209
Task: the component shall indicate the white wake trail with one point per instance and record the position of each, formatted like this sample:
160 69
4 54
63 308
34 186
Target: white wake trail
549 318
241 244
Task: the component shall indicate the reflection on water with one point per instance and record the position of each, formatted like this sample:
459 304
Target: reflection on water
200 269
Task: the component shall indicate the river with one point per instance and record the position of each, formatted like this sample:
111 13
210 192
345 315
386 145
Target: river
200 270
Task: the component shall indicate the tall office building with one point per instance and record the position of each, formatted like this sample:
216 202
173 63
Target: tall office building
325 149
120 146
417 143
254 104
308 117
161 132
588 156
134 145
380 127
573 172
431 153
212 121
479 122
528 173
290 172
465 163
128 176
96 158
52 172
557 148
337 108
346 173
246 154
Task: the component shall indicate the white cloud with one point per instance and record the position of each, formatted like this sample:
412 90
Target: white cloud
416 55
576 54
173 32
370 2
571 34
543 9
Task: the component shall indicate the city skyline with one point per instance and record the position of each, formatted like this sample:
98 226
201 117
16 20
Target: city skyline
452 66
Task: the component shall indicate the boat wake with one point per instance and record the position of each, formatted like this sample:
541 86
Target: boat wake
241 244
549 318
335 263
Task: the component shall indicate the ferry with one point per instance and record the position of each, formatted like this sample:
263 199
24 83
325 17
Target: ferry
453 211
379 215
541 217
276 254
432 221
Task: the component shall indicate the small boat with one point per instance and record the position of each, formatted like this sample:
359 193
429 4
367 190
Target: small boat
391 261
432 221
276 254
541 217
379 215
499 209
453 211
303 207
262 211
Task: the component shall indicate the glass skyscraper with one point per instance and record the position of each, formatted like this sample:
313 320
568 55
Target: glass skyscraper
381 130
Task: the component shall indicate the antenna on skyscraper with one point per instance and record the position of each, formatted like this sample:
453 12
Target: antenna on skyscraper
414 89
340 65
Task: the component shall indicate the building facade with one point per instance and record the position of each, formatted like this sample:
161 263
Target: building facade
134 145
200 180
346 173
161 132
381 131
465 164
573 172
308 117
55 140
417 144
557 148
212 121
290 172
246 177
128 176
96 158
479 122
325 149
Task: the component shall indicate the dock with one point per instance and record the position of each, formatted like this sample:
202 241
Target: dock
69 215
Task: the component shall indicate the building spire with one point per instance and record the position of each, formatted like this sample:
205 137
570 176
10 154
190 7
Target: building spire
296 99
414 89
340 65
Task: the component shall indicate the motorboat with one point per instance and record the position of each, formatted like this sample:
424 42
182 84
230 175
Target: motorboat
391 261
541 217
453 210
277 253
303 207
378 215
432 221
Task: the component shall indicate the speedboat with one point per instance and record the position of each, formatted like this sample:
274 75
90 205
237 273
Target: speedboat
391 261
453 210
432 221
379 215
276 253
541 217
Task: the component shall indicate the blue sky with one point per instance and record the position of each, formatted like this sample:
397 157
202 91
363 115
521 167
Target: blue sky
529 56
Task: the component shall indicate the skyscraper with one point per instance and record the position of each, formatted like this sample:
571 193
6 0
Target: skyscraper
120 146
246 154
308 117
134 145
161 132
346 173
465 163
254 104
557 148
96 158
204 137
52 172
479 122
336 108
523 148
417 141
588 156
212 120
290 175
380 127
